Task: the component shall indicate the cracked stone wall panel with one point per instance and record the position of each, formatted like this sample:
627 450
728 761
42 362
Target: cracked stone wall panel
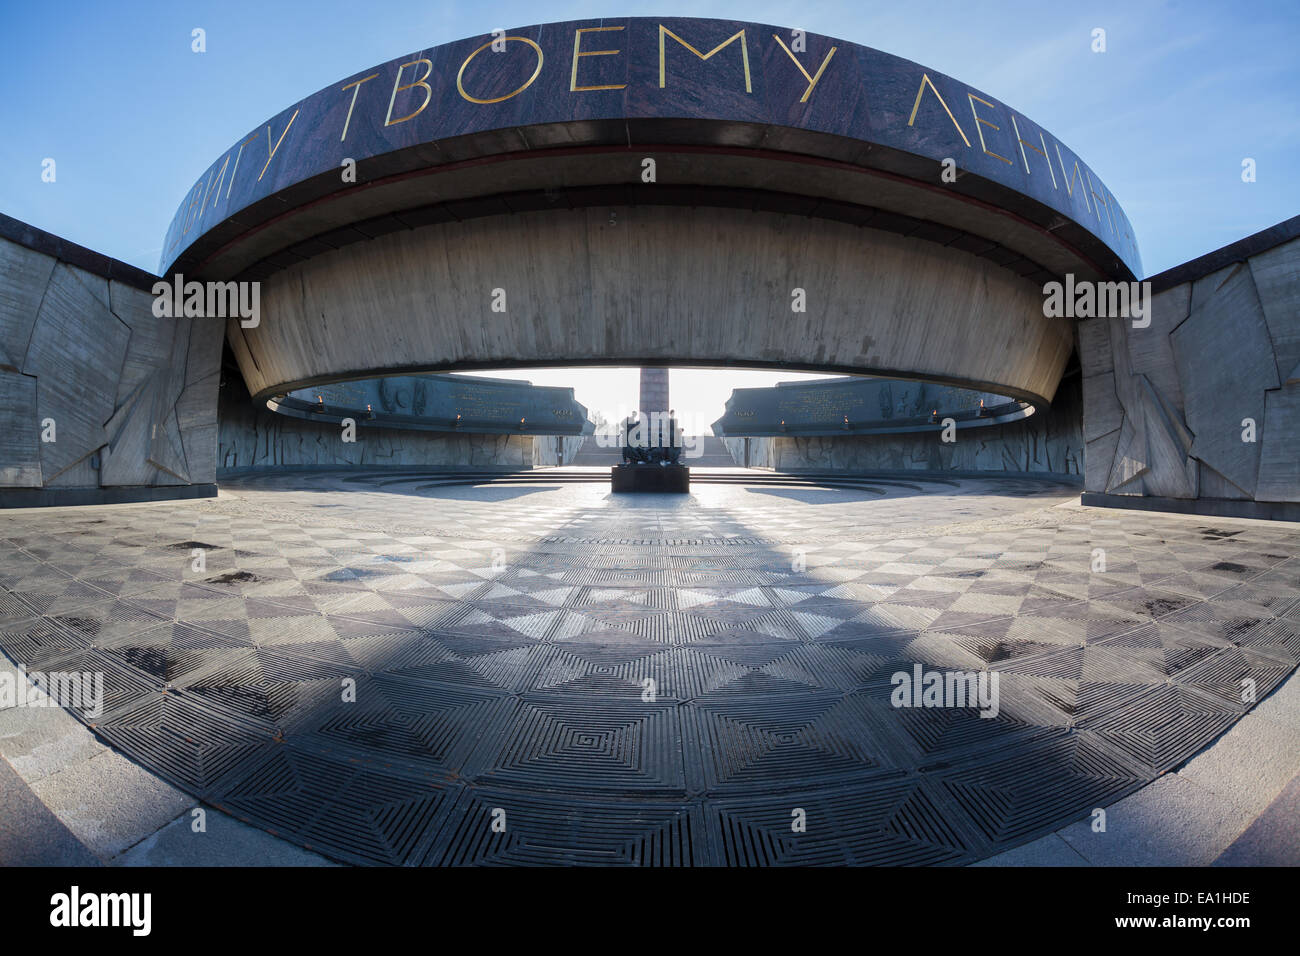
114 425
1168 414
120 469
200 443
1094 346
133 306
204 358
178 360
1225 362
125 456
197 417
1279 457
20 433
1277 281
1098 458
95 285
1207 287
24 275
76 354
1214 485
1169 475
152 338
1130 462
1126 389
1150 351
165 479
81 475
166 451
197 403
1101 409
148 352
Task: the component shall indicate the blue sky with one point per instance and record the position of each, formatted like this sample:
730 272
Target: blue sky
132 117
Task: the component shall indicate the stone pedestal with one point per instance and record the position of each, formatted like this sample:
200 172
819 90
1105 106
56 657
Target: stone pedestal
664 479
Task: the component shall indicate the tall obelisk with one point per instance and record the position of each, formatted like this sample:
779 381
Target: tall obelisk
654 390
654 403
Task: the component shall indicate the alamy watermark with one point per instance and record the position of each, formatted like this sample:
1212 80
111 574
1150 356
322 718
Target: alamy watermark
1098 300
72 690
922 688
73 909
208 300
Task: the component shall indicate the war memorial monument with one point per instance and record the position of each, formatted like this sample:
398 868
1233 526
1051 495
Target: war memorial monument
369 609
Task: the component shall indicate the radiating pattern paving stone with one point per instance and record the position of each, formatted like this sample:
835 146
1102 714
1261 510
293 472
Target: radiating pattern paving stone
391 670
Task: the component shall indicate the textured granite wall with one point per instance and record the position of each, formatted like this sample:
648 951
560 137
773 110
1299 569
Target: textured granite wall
253 437
132 397
441 403
1049 442
556 449
759 451
1170 409
846 406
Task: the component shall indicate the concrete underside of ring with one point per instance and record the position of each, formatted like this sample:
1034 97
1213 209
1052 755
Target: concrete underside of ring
653 285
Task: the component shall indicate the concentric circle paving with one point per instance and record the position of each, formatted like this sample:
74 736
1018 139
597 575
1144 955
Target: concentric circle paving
500 641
